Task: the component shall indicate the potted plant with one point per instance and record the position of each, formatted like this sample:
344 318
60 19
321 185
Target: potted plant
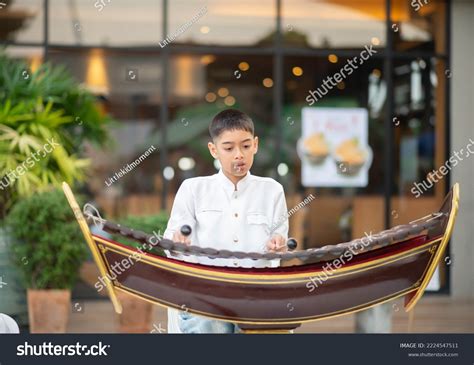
49 252
38 110
137 315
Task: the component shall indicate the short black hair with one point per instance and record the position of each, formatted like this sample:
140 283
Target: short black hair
230 119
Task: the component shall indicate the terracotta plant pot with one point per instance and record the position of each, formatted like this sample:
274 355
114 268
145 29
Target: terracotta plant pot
136 315
48 310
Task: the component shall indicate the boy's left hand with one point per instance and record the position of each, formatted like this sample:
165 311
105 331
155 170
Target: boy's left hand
276 244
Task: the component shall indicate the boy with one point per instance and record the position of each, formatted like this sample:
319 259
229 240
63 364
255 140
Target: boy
231 210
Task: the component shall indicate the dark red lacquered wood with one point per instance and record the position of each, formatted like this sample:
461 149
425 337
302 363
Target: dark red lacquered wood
261 302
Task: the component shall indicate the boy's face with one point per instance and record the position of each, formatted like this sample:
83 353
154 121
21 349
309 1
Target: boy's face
235 150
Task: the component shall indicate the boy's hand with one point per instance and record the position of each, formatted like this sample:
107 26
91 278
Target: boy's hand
179 237
276 244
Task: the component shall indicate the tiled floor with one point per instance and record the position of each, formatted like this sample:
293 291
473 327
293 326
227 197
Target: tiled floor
433 314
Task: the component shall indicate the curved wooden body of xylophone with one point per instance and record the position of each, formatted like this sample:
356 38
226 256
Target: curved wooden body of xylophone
280 299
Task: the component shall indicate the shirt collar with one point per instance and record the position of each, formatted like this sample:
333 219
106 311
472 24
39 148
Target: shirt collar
229 185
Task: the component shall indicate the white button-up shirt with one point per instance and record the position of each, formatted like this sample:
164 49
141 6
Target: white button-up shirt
225 218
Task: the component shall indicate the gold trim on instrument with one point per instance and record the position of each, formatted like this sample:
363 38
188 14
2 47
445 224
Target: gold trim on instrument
90 242
441 248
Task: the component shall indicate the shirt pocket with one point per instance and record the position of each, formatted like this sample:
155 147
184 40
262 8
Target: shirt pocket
209 212
257 218
209 223
258 225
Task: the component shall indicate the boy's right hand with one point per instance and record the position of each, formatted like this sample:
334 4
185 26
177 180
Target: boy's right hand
179 237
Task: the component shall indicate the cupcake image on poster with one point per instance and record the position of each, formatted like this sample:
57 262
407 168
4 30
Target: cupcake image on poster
350 157
315 148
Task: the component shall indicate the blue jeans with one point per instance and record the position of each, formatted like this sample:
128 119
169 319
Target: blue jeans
190 323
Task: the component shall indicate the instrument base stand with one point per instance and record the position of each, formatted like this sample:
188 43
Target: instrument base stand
268 329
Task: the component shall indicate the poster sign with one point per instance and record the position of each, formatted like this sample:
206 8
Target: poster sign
333 147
